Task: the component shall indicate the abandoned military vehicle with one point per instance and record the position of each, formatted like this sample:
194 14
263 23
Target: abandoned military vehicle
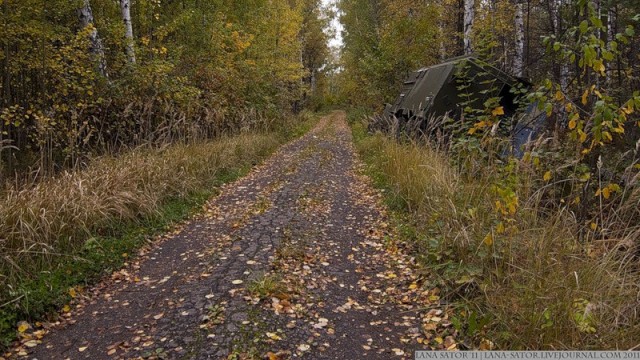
443 91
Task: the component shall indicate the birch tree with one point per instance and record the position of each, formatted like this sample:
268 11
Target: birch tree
85 13
125 6
469 16
518 61
611 36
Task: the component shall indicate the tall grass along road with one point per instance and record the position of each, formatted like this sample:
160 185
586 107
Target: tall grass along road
295 259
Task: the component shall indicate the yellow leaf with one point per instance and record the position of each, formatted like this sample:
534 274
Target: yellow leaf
72 292
606 192
23 326
413 286
585 97
498 111
569 107
273 336
593 226
66 308
559 96
576 201
81 349
547 176
598 94
488 240
486 344
619 129
583 136
500 228
572 124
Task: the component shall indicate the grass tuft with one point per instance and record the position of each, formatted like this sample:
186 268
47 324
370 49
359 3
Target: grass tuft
266 286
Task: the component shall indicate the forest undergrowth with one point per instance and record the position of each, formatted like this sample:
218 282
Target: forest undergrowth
525 275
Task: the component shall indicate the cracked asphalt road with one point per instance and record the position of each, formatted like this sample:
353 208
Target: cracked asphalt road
295 260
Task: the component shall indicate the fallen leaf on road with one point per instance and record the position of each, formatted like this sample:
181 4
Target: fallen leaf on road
31 343
23 326
322 322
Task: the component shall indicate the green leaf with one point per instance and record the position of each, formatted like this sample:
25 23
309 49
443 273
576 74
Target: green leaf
629 31
584 26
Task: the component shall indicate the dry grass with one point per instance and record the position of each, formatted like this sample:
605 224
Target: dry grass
541 286
53 218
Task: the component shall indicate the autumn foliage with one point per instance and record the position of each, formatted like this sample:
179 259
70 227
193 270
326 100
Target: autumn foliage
70 88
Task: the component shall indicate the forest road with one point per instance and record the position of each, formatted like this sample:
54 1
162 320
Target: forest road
295 260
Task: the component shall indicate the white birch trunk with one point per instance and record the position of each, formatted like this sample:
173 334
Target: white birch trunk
557 30
469 15
611 36
564 68
518 61
599 36
97 49
125 6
